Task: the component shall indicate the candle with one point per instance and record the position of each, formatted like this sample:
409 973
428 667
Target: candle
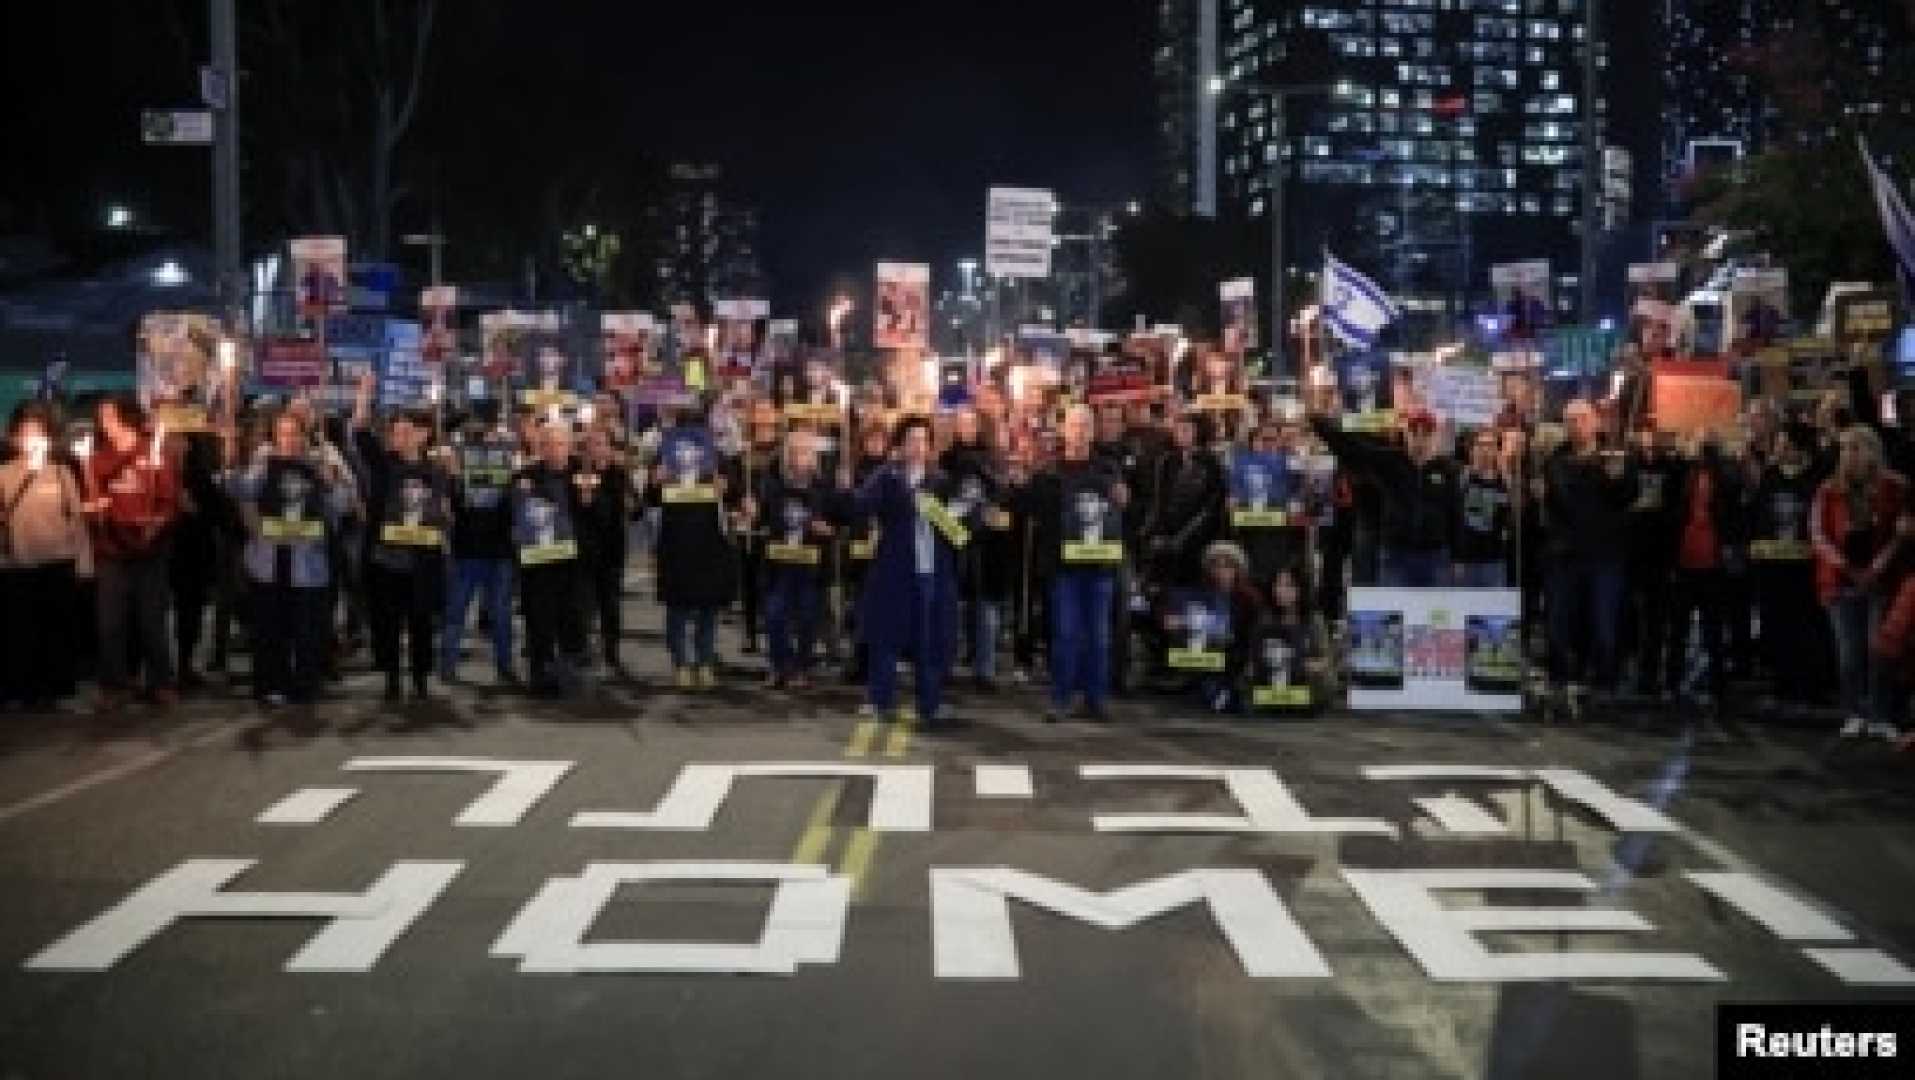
159 441
83 446
36 452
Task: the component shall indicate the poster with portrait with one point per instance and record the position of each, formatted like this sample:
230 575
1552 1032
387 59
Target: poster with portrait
502 338
1092 523
1366 389
737 322
1239 300
546 368
903 310
626 340
780 349
1197 626
176 357
1435 649
438 323
1263 490
1758 309
688 463
319 275
1653 300
1524 305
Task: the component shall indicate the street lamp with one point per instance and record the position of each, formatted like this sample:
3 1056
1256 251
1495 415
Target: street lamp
119 217
1277 97
835 317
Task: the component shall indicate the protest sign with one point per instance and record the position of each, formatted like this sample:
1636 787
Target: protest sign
1694 404
903 310
1436 649
319 274
626 340
1239 299
439 331
175 366
1522 297
1460 396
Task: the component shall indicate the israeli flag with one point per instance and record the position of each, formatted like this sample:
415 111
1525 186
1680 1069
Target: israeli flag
1354 307
1897 222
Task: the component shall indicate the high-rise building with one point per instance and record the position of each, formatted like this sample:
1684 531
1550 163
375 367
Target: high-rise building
1449 136
1183 63
1717 107
707 242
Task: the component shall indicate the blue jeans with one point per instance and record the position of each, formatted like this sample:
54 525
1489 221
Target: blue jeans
883 686
1585 613
1080 636
792 605
1399 569
1868 684
468 577
699 650
1482 575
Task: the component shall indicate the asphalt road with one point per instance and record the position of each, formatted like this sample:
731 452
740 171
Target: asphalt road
88 815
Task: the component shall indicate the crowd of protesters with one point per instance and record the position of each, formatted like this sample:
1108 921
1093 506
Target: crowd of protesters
1768 567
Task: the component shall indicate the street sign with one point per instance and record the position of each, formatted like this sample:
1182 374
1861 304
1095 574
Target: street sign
176 127
1018 232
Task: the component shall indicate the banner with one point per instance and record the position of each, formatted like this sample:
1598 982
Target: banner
1018 227
1522 297
626 340
319 274
1758 306
439 331
1436 649
175 366
903 315
737 322
1460 396
1653 300
1693 404
1239 298
290 363
781 344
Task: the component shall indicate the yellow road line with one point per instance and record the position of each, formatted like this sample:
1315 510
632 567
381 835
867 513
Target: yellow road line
816 839
856 863
899 742
862 737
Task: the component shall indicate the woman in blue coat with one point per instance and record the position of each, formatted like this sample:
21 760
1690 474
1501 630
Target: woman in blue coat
910 598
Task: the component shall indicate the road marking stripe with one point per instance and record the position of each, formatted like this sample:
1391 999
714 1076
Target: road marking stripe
108 775
816 839
856 863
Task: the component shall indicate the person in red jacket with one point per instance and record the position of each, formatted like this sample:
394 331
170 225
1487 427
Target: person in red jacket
1856 529
133 499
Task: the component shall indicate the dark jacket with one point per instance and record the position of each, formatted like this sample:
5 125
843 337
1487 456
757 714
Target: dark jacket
1419 503
885 612
1042 501
1587 510
697 558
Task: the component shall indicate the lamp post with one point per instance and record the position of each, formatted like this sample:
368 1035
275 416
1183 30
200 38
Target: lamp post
435 241
1278 98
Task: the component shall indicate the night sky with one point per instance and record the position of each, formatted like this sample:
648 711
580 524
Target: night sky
864 131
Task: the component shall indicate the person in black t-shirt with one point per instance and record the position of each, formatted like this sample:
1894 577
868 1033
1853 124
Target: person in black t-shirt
481 548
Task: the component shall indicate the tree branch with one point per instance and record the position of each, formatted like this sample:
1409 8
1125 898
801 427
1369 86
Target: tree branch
428 14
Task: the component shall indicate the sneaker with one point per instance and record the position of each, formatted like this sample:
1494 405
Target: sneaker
706 678
507 678
1853 727
682 678
774 681
1052 714
907 713
1882 729
274 701
867 711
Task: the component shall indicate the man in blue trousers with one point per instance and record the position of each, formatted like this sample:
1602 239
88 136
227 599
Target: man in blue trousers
910 598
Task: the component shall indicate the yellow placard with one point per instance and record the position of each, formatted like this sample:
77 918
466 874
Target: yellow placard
792 554
864 550
487 477
291 530
181 418
546 554
997 520
1259 519
546 399
1221 403
1106 554
1379 420
411 536
680 494
934 512
1196 660
816 414
1779 550
1280 697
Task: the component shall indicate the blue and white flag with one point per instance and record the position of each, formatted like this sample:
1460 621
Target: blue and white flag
1354 307
1897 222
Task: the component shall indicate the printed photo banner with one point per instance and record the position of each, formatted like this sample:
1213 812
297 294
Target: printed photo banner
176 357
1654 298
1263 491
1435 649
1239 298
1523 297
903 309
531 349
737 322
1199 630
626 343
1758 308
438 322
290 363
1695 404
319 275
1460 396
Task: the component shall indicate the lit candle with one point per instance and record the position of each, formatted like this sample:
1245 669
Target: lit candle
159 441
36 452
83 446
